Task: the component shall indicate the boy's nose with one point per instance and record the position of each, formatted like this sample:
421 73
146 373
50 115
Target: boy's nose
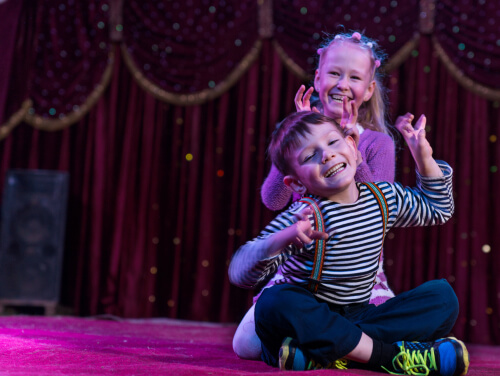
327 155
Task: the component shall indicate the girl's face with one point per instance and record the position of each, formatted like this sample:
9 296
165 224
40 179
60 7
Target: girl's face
345 71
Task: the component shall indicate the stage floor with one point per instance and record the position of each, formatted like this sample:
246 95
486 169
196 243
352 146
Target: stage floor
38 345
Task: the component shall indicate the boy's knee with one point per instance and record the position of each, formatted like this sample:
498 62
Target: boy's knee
444 294
278 298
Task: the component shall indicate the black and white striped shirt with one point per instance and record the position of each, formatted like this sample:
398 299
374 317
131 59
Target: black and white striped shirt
355 238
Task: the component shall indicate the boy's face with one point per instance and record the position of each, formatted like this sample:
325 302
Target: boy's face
324 164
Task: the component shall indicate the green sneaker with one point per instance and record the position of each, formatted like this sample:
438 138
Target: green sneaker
291 358
444 357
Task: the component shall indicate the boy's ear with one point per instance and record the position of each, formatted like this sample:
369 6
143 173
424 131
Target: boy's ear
352 144
316 80
369 91
294 184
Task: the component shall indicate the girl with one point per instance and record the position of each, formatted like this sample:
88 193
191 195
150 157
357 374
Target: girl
346 77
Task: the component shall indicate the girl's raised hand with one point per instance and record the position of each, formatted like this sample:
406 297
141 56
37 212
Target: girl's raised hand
349 119
303 101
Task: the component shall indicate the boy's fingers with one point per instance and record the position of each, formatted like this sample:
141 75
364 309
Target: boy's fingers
319 235
422 120
304 238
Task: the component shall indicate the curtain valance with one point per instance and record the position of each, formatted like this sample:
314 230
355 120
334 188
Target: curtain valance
189 52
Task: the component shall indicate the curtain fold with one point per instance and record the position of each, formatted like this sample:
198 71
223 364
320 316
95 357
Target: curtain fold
161 195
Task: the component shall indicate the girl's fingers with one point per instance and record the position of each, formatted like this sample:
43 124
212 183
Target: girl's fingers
354 112
300 93
308 94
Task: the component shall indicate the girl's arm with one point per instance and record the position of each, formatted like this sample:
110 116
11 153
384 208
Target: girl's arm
274 193
379 157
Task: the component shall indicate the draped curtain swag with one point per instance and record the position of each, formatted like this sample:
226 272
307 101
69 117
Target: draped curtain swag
187 54
172 104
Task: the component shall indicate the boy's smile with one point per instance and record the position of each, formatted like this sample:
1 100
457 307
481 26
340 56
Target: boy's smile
324 164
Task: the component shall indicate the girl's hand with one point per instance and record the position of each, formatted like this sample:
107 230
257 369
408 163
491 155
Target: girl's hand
303 102
349 120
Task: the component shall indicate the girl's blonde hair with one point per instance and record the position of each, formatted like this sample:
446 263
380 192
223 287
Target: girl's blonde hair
372 113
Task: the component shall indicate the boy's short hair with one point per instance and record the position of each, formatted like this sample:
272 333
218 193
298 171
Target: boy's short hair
285 137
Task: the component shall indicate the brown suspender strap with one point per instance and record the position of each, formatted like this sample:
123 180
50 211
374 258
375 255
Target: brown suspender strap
384 210
320 248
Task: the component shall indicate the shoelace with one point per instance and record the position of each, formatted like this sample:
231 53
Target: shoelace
338 364
412 362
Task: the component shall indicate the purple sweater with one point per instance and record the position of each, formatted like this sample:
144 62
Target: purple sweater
379 161
377 150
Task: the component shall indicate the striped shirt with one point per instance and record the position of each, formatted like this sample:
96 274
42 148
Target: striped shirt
355 238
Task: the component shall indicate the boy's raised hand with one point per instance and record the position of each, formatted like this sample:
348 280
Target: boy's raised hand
302 231
303 101
419 147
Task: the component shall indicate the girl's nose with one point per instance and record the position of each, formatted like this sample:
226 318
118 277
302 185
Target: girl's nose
342 83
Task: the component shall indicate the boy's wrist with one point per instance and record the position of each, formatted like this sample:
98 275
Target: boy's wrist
428 167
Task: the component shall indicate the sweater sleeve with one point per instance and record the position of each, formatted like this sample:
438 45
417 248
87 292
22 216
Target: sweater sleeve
379 157
274 193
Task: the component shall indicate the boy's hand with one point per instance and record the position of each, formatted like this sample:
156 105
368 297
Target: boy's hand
349 120
419 147
302 231
304 103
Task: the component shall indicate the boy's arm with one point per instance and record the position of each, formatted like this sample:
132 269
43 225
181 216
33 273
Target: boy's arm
251 263
419 146
431 202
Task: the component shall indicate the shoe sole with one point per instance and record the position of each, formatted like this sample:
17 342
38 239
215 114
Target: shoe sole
465 356
285 355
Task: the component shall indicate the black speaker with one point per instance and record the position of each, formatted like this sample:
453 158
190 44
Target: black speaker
32 235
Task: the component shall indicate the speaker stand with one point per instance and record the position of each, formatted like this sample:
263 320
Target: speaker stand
49 307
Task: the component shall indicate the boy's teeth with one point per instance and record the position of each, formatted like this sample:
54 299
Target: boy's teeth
335 169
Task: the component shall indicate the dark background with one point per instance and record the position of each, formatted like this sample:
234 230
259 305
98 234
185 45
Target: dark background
161 111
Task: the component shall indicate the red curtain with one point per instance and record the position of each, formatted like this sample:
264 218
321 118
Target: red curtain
163 192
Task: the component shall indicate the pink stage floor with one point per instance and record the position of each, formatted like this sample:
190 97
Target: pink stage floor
34 345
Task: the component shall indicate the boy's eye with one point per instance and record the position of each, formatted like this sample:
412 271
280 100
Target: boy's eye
356 77
334 73
308 157
332 142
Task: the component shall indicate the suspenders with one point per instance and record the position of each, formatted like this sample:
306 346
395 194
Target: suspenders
320 248
319 251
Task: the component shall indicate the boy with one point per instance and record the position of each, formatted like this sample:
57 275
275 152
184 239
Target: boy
318 315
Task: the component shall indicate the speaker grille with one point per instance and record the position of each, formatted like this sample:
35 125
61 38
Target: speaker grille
32 234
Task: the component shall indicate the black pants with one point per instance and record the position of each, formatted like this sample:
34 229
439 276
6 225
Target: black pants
326 332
